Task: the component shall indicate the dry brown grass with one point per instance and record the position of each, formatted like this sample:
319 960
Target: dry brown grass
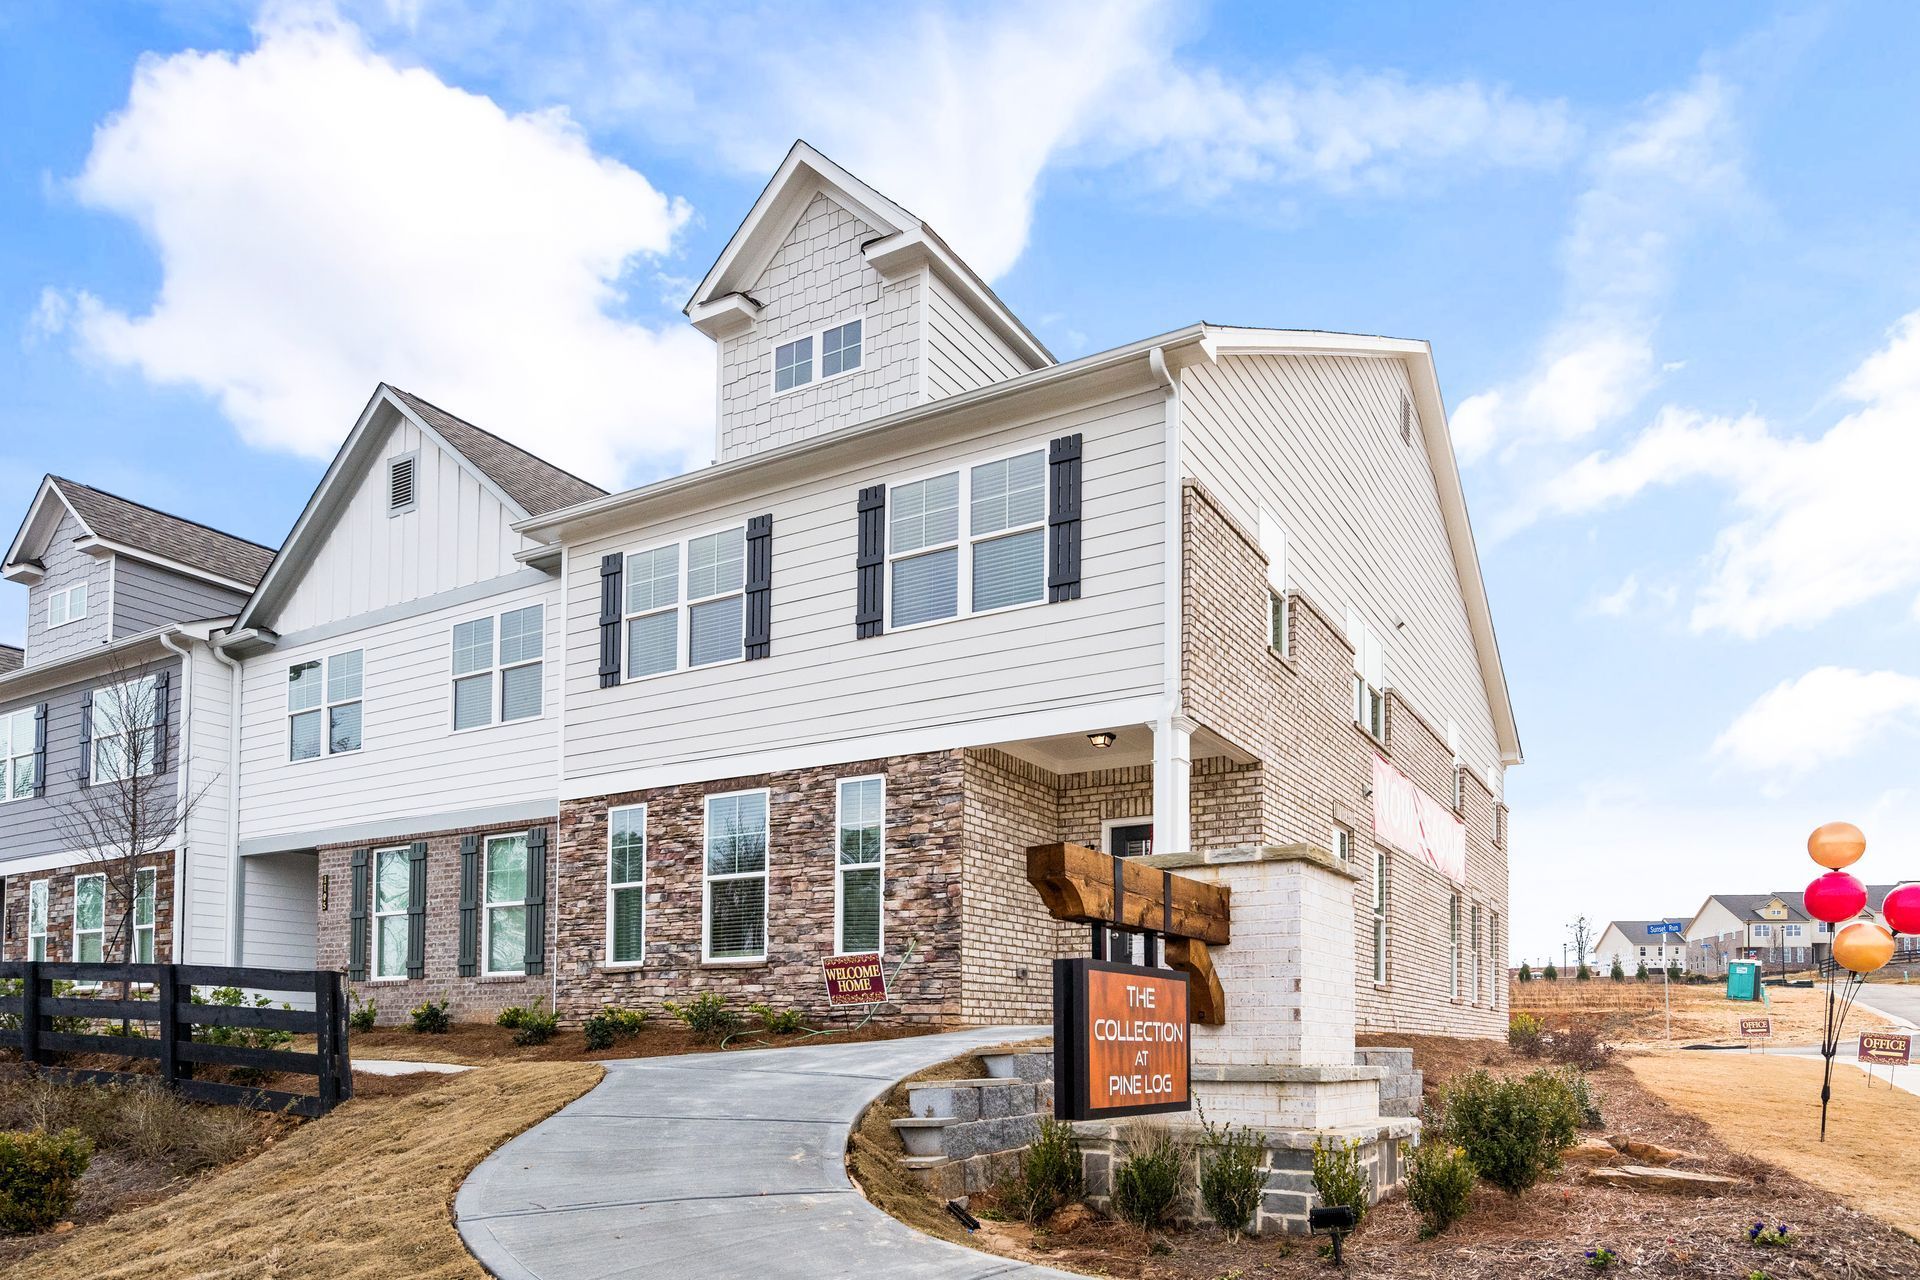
364 1194
1768 1106
1634 1013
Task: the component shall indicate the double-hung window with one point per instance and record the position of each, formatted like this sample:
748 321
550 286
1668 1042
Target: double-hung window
923 539
323 706
16 754
736 876
89 918
1369 677
1496 967
1379 915
508 688
1453 945
392 899
840 348
1007 520
67 605
123 720
37 920
1001 558
1273 544
695 623
503 919
860 859
1476 953
146 891
627 885
653 611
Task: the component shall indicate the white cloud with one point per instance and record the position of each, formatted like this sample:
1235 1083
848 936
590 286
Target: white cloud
1658 181
325 219
1615 603
1826 715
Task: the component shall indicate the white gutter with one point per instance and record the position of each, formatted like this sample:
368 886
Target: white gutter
233 801
183 783
1170 801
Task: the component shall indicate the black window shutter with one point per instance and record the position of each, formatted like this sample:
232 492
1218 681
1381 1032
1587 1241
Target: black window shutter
612 573
85 772
40 751
357 933
469 906
536 902
1063 519
871 564
162 718
759 587
417 910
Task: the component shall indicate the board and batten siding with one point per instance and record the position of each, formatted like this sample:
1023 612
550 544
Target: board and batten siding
146 597
961 352
825 693
458 534
1316 440
67 566
819 277
412 766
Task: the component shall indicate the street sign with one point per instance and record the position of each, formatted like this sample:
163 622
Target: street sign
1757 1028
1885 1048
1665 926
854 980
1121 1038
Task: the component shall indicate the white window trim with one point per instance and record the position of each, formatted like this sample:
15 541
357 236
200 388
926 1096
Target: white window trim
14 754
682 608
706 880
1453 946
816 334
94 776
840 868
495 672
640 884
326 706
38 891
373 902
1379 916
963 593
66 593
73 943
149 876
1108 824
487 908
1274 545
1474 942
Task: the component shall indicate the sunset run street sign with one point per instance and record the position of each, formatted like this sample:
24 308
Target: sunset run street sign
1122 1040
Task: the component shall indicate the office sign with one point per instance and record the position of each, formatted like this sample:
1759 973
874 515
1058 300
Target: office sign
1756 1028
1415 823
854 980
1122 1040
1885 1049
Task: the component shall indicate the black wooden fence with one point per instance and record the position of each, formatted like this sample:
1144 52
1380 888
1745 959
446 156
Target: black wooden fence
168 1003
1905 958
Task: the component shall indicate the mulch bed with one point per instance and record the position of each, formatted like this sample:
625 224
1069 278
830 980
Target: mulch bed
474 1043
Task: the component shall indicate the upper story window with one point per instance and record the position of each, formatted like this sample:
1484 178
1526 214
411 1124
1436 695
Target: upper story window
403 483
323 705
67 605
124 717
1273 545
1369 677
705 623
1002 556
1763 931
839 349
502 682
18 740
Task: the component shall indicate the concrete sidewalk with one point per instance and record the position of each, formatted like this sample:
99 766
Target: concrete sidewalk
716 1165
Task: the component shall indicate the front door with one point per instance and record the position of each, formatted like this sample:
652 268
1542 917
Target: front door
1133 841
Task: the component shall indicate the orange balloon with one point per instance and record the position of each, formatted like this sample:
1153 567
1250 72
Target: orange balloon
1862 947
1836 845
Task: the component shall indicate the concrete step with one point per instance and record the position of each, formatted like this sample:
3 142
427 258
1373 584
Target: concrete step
1031 1065
988 1099
922 1135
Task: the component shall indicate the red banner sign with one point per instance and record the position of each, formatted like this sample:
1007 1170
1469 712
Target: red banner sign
1885 1049
858 979
1415 823
1758 1028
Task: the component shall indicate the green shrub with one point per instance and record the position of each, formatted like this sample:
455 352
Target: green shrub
1585 1099
1526 972
1524 1035
1550 973
535 1025
1617 973
1583 974
1640 974
705 1015
1439 1183
610 1024
1513 1131
365 1013
37 1176
1338 1177
512 1017
430 1018
1151 1180
781 1022
1231 1179
1675 974
241 1037
1049 1176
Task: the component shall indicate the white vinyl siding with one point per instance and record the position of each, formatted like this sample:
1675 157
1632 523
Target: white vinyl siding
498 682
89 918
392 898
16 754
860 858
323 706
962 352
37 920
503 913
146 890
734 883
627 885
123 740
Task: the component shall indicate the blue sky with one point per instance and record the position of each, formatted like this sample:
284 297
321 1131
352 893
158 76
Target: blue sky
1666 256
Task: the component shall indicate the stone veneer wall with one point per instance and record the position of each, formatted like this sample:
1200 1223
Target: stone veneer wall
13 910
1295 714
469 999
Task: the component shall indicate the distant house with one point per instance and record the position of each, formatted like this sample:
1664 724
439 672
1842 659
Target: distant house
1773 928
1629 942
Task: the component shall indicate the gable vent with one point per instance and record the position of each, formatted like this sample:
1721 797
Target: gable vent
400 484
1406 418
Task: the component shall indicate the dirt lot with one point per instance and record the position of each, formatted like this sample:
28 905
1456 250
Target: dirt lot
1634 1013
472 1044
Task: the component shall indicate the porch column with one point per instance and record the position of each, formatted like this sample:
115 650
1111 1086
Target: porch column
1172 784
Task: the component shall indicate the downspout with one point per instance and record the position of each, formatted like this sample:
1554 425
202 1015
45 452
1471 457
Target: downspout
233 801
183 784
559 785
1169 805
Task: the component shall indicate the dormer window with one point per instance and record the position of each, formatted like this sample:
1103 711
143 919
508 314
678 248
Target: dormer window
840 348
402 495
67 605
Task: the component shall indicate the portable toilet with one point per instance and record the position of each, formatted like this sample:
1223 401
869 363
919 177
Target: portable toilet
1743 980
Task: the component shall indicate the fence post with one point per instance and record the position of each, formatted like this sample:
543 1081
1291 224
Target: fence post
169 1024
345 1036
326 1018
30 1014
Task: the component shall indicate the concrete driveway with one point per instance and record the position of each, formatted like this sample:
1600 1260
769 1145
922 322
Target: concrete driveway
723 1165
1896 1000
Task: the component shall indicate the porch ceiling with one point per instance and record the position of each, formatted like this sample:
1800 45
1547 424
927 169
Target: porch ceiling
1132 746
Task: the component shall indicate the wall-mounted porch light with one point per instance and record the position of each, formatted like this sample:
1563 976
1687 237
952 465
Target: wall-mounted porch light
1101 740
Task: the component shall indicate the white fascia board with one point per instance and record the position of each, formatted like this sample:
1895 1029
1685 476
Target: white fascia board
907 251
725 316
17 560
103 548
52 675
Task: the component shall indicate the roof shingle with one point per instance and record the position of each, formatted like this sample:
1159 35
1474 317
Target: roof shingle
536 484
184 541
12 658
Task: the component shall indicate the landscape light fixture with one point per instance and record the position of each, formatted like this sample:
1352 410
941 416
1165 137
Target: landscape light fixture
1336 1220
1101 741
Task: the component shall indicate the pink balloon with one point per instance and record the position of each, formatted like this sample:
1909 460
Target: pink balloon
1902 909
1835 896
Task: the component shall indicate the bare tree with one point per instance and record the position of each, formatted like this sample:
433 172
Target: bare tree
1580 934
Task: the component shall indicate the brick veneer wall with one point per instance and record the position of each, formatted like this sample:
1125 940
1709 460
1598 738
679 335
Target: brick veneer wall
1294 713
469 999
13 910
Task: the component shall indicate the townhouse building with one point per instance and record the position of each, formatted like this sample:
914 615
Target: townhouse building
1627 943
1772 928
497 735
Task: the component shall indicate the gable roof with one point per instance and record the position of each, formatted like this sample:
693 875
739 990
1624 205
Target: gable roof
141 531
534 484
1747 905
12 658
903 242
1635 932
